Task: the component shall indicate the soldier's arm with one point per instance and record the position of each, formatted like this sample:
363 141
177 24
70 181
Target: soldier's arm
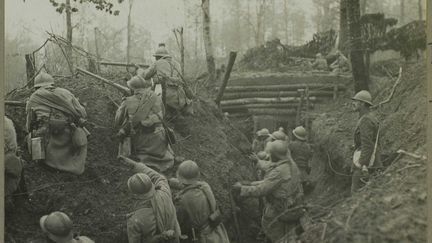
367 141
120 115
158 180
151 71
270 183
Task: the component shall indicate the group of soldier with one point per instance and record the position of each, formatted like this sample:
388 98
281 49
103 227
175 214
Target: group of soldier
57 138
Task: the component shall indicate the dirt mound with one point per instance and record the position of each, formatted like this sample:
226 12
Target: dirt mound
98 200
392 206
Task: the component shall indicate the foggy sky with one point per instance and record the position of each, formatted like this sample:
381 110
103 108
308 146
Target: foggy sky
158 16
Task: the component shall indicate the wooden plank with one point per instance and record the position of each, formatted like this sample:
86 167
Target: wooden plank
263 101
284 87
258 106
272 94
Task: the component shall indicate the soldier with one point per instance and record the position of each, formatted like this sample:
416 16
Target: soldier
341 64
166 71
278 135
55 121
139 118
58 227
197 209
320 63
261 140
155 218
283 194
366 141
14 178
301 153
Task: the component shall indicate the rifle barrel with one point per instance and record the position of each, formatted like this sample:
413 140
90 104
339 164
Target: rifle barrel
122 64
15 103
122 88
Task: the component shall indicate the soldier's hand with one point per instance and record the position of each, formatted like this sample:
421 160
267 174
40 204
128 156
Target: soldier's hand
169 234
365 170
236 188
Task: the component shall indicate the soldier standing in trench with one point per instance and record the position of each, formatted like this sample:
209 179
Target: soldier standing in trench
139 118
154 219
261 140
301 153
366 157
197 209
55 121
283 193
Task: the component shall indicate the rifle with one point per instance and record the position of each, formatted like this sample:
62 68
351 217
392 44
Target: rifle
125 91
234 214
15 103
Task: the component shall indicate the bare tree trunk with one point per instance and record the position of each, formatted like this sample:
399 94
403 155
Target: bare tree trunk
238 44
178 33
211 66
420 10
361 79
97 50
402 12
286 21
274 20
129 28
69 32
363 4
343 27
260 30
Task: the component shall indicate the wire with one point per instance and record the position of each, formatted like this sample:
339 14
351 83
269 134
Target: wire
331 167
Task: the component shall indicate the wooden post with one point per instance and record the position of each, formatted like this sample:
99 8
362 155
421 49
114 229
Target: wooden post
299 107
30 69
307 125
231 61
335 92
97 50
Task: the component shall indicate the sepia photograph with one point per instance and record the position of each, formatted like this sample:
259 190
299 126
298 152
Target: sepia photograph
216 121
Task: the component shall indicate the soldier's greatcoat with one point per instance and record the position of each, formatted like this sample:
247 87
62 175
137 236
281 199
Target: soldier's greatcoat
141 114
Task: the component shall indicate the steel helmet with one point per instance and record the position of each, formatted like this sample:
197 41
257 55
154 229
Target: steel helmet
262 155
278 135
188 172
141 183
137 82
277 149
300 133
263 132
363 96
58 225
43 79
161 51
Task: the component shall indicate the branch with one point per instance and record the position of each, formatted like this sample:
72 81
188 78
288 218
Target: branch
392 92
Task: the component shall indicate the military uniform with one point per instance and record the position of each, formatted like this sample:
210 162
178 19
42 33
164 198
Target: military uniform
56 115
13 164
154 215
196 203
282 190
365 137
140 117
320 64
166 70
301 153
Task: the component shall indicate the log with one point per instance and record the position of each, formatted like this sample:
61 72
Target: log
262 106
15 103
283 87
121 88
272 94
122 64
263 101
231 61
273 111
30 69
